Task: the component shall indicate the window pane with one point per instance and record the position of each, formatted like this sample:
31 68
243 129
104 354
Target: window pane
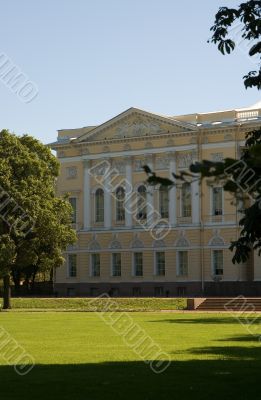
116 264
136 291
158 291
218 262
120 204
99 205
186 200
160 263
95 265
142 203
182 263
164 202
72 265
138 264
217 201
73 202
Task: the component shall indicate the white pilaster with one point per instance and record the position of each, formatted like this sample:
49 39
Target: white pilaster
172 191
150 193
107 199
86 196
195 195
128 191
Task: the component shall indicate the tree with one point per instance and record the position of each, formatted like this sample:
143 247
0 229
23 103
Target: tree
248 15
35 225
240 177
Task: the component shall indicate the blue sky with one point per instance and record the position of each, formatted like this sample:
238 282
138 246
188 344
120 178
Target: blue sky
92 59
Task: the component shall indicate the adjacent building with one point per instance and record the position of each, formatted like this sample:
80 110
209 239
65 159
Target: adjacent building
134 240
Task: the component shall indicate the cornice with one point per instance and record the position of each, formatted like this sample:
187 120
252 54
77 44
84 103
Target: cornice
210 130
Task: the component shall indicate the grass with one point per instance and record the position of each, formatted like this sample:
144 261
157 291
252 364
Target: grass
79 357
86 304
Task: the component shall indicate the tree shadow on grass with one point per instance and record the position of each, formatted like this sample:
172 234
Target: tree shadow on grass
185 380
209 320
246 338
229 352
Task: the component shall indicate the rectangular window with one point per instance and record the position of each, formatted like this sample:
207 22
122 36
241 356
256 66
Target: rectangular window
73 202
182 291
114 292
138 264
141 203
158 291
72 265
186 200
160 263
120 204
164 202
116 264
217 207
182 269
94 292
99 205
95 264
71 292
136 291
217 257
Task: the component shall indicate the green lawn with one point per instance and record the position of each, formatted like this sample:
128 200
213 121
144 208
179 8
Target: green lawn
79 357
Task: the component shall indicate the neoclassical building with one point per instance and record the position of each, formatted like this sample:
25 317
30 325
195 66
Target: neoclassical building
134 240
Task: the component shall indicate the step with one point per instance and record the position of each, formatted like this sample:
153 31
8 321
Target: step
230 304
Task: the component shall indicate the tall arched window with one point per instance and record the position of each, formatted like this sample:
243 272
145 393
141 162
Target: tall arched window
186 200
142 202
120 205
99 205
164 202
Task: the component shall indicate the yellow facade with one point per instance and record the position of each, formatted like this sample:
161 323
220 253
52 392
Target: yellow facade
137 241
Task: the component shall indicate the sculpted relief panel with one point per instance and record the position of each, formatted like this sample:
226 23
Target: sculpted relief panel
162 162
185 159
136 126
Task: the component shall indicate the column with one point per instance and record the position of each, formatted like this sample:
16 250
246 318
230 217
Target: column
86 195
150 198
128 191
172 191
195 198
107 197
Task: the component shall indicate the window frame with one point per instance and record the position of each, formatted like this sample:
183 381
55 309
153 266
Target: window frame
186 214
95 275
180 271
164 213
157 270
217 211
99 208
69 267
112 264
120 205
134 269
141 215
214 269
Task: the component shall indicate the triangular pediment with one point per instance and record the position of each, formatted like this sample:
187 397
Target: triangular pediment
135 123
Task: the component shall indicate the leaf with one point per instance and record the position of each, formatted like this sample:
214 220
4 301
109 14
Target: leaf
255 49
147 169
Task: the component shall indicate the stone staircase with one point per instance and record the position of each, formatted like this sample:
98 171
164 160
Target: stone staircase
240 303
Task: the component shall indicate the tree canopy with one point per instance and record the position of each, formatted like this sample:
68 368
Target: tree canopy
35 224
248 16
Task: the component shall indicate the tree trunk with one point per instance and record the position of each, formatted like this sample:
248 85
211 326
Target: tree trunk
7 293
